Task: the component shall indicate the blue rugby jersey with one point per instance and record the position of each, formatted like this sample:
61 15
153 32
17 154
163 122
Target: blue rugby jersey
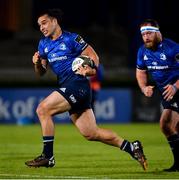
162 64
61 52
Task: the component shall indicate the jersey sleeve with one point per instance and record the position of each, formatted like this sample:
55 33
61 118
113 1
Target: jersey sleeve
41 50
174 47
140 64
78 43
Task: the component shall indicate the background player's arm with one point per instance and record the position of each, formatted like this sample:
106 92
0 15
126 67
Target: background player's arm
88 71
142 78
40 65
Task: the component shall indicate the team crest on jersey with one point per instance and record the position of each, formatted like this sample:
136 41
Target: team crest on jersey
62 46
46 50
163 56
145 58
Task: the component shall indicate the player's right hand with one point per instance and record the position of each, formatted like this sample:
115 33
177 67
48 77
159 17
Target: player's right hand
36 58
169 92
148 91
85 70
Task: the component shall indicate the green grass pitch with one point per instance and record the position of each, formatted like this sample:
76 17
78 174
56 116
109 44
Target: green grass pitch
77 158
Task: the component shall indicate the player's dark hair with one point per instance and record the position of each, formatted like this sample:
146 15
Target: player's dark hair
54 13
152 22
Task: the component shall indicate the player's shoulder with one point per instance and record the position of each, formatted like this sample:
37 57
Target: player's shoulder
74 37
141 49
169 42
69 35
44 40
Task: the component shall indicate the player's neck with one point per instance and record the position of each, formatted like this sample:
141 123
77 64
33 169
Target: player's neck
57 33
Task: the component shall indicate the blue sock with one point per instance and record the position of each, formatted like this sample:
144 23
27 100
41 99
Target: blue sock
48 146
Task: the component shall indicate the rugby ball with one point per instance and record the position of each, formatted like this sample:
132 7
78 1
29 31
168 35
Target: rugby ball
81 61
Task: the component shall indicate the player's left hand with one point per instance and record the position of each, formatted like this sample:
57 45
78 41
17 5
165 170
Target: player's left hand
169 92
85 70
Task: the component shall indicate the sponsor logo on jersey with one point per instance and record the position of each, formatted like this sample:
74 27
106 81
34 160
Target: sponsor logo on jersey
145 58
62 46
157 67
163 56
57 58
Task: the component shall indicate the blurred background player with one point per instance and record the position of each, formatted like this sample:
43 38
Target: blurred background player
160 57
59 48
95 84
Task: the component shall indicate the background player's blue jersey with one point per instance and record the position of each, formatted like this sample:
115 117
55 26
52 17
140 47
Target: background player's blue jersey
162 64
61 52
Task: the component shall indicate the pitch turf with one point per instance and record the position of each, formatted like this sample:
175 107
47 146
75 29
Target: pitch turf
77 158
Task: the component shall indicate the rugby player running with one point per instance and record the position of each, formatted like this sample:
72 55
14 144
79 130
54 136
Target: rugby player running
160 57
58 48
